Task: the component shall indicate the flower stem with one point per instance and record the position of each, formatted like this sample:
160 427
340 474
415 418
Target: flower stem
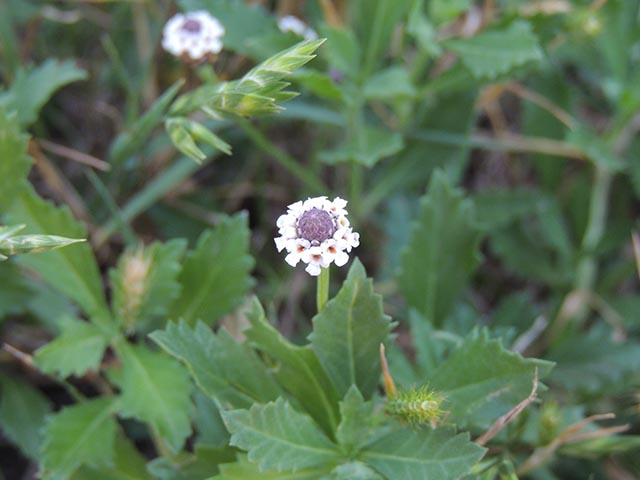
323 288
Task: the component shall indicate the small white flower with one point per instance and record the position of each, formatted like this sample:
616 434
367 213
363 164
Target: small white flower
316 231
193 35
293 24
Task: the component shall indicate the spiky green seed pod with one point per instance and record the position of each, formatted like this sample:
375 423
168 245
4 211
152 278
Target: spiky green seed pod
416 406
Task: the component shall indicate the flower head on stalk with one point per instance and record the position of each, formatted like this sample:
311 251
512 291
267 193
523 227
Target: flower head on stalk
193 36
317 232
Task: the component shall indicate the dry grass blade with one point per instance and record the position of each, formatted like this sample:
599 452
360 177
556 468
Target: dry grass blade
74 155
24 358
389 384
571 434
501 422
636 249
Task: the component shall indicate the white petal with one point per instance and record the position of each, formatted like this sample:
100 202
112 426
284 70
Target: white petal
313 269
341 258
281 242
292 259
286 220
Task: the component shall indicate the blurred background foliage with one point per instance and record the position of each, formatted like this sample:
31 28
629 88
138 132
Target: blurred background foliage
519 120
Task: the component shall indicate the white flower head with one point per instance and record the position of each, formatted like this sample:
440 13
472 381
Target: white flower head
193 35
316 231
293 24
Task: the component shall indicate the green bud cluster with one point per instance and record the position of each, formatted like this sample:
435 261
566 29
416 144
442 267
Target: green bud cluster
416 406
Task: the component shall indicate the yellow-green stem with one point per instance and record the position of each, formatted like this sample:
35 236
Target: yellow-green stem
323 288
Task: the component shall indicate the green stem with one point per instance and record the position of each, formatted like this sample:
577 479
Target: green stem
598 206
284 159
322 296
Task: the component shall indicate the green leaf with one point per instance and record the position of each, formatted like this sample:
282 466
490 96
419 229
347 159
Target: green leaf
342 50
595 148
442 252
78 349
22 413
145 284
215 276
425 453
356 418
72 270
388 84
243 469
374 145
32 89
354 471
155 389
186 466
128 464
347 334
131 141
447 10
497 208
594 361
14 161
481 380
320 84
278 437
297 369
224 369
83 434
208 422
494 52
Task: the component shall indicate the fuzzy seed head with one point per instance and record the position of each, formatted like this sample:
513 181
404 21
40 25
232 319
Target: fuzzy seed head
416 406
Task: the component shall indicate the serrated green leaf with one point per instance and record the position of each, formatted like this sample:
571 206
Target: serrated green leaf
14 161
83 434
354 471
145 284
79 348
442 252
72 270
356 418
593 361
277 437
224 369
32 89
297 369
155 389
243 469
128 464
215 276
347 334
494 52
425 453
22 413
481 380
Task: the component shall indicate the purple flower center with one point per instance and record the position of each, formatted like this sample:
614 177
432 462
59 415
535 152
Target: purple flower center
191 26
315 226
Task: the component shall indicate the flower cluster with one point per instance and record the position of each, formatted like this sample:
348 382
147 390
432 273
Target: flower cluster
317 232
293 24
193 35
